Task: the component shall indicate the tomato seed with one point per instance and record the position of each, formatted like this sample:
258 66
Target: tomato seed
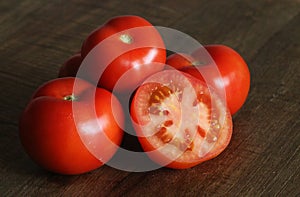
215 125
190 146
214 122
155 98
165 91
211 138
168 123
201 131
160 94
166 138
164 135
162 130
166 112
183 146
188 143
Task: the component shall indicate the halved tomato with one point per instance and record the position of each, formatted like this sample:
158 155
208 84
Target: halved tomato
180 122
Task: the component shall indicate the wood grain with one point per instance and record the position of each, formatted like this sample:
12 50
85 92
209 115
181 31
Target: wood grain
263 158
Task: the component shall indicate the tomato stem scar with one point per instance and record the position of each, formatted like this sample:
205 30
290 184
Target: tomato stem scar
125 38
198 63
71 97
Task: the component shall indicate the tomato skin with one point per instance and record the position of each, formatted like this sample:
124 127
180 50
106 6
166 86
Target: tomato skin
179 61
232 67
140 113
48 131
137 62
70 66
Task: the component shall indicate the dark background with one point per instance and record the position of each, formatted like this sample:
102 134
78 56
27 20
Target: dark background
263 158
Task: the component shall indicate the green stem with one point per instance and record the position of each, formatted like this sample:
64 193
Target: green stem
71 97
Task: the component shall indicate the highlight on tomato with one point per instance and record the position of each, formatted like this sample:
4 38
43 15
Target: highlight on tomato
53 136
180 121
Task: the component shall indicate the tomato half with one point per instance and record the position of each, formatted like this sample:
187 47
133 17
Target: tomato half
70 66
179 121
49 131
136 50
234 72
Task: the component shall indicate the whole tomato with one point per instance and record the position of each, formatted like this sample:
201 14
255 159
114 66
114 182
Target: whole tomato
70 66
59 136
179 121
126 49
233 71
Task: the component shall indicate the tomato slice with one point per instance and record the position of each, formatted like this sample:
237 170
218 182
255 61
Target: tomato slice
180 122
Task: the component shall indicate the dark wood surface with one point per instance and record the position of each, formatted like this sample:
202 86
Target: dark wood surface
263 157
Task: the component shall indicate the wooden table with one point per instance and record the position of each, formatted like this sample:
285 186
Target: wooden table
263 157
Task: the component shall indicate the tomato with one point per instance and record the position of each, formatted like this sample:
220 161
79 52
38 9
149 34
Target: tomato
179 61
232 67
128 50
52 130
70 66
179 121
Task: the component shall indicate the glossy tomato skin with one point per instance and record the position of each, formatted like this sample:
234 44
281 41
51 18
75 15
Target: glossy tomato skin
70 66
179 61
135 47
174 121
232 67
50 135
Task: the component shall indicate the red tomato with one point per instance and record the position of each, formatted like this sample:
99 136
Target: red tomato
232 67
179 61
50 135
136 50
179 121
71 66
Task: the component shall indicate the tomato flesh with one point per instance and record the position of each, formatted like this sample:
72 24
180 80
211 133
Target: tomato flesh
179 121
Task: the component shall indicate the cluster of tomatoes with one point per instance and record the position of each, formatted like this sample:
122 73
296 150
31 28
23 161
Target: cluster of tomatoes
75 123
